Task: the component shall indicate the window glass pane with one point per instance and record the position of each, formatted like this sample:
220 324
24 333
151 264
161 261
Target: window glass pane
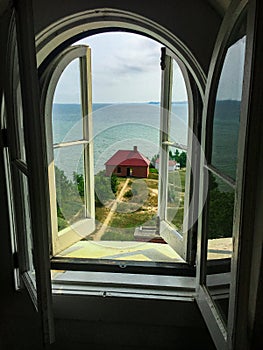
69 165
67 117
21 153
220 246
176 189
220 218
221 196
227 110
177 156
10 196
179 108
27 225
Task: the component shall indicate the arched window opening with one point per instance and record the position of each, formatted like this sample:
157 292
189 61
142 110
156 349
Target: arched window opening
137 123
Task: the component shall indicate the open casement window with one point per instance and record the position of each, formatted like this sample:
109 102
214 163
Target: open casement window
174 200
72 213
27 173
223 139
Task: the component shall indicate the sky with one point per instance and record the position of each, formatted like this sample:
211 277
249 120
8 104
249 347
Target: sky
125 68
231 79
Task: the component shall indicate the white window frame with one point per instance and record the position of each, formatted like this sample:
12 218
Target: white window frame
72 234
180 242
235 334
70 30
23 112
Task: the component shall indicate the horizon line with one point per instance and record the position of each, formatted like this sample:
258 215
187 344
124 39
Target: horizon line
143 102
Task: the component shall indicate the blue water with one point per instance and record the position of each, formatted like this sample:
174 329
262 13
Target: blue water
115 126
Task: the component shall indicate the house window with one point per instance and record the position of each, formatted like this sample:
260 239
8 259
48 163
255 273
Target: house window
93 206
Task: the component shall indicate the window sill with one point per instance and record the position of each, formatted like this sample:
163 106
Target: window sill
106 284
121 250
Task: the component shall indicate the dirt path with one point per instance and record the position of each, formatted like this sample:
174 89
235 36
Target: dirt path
97 236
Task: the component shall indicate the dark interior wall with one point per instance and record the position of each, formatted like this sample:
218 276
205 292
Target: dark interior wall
6 280
122 323
109 323
126 323
188 20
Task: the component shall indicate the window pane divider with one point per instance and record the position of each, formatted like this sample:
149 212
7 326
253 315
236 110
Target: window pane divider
223 177
70 143
175 144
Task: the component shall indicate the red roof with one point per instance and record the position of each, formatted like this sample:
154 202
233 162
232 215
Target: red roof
128 158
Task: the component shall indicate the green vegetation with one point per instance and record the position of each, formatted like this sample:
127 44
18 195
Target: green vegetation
70 195
175 205
151 183
220 209
79 181
128 194
105 188
116 234
70 206
153 176
138 206
178 157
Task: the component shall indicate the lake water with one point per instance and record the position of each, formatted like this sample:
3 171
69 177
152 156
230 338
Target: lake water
115 126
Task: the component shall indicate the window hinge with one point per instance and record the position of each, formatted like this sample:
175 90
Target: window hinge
4 138
163 56
15 260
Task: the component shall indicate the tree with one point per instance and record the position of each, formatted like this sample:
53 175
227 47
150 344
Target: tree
79 181
105 188
177 156
114 183
69 201
220 211
153 160
182 159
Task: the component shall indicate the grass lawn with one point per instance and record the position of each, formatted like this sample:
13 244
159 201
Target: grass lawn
139 206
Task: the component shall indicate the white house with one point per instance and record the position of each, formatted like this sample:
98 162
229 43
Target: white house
173 165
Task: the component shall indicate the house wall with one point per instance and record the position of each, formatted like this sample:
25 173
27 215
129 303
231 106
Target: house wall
140 171
109 170
137 171
105 322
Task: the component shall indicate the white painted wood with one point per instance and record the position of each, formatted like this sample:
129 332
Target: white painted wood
86 102
244 311
181 243
221 334
65 238
36 159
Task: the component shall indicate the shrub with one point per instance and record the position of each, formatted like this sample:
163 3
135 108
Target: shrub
128 194
153 176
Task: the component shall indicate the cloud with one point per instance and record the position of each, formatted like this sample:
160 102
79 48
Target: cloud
125 68
124 53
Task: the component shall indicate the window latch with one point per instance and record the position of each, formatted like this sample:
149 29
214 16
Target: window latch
163 56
